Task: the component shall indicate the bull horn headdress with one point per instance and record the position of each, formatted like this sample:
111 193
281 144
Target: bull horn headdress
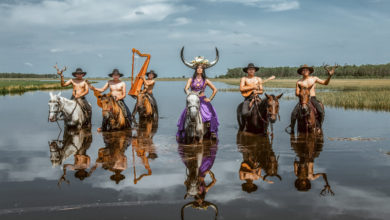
203 206
199 60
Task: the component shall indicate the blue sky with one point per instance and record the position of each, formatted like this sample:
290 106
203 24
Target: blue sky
98 35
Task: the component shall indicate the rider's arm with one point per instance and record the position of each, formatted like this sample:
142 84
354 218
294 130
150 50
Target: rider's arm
215 90
186 91
260 88
102 89
213 181
323 82
297 89
244 88
148 83
63 83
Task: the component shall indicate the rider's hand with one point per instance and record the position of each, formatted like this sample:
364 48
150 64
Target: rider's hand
207 100
331 72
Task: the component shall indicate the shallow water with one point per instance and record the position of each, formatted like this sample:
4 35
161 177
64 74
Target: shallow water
356 171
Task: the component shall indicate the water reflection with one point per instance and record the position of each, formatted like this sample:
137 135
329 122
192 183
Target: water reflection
144 147
198 160
75 142
258 156
307 148
112 157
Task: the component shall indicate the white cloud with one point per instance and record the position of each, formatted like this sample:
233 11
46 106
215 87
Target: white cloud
270 5
56 50
28 64
181 21
83 12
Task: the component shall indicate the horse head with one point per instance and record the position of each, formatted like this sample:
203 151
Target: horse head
304 99
54 106
272 106
193 105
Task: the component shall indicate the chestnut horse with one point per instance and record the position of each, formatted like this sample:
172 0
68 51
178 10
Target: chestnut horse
113 116
263 112
307 115
145 108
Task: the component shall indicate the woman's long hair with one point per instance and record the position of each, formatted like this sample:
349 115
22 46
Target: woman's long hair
203 73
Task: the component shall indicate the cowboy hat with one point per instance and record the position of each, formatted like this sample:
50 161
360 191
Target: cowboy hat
152 72
250 65
79 71
115 71
310 68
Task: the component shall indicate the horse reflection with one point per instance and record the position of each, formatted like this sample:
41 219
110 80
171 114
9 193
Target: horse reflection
112 157
75 142
257 155
144 147
307 148
198 160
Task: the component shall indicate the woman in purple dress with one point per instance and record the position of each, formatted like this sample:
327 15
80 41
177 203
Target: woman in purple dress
198 83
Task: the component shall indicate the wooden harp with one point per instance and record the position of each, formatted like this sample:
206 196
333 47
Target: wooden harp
136 84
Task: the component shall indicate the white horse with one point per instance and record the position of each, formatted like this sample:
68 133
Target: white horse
193 123
70 111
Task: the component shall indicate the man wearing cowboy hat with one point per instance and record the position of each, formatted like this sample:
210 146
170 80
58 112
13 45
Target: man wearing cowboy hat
308 81
118 91
251 83
80 89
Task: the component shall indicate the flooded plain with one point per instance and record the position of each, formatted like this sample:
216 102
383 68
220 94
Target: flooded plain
144 174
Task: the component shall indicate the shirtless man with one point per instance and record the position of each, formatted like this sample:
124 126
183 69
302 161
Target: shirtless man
118 91
251 83
148 89
307 81
80 89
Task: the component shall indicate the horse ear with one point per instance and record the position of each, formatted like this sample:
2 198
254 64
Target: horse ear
59 94
51 95
279 96
268 97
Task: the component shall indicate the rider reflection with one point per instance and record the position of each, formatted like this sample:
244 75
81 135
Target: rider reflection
198 161
144 147
112 157
75 142
307 148
257 154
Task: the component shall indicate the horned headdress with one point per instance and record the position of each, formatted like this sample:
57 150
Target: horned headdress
199 60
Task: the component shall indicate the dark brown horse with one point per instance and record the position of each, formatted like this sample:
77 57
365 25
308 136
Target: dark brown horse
113 116
307 115
263 112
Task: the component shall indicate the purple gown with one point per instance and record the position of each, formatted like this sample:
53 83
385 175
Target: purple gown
207 111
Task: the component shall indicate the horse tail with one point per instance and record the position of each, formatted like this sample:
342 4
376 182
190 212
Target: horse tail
239 116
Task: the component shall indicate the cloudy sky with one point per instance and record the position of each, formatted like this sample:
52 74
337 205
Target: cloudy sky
98 35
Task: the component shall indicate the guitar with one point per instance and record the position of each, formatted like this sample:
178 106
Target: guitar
249 92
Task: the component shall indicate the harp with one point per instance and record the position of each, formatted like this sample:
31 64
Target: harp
136 84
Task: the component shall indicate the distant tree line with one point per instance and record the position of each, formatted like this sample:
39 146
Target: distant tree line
346 71
27 75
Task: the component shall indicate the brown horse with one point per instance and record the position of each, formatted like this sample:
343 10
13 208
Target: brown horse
263 112
307 115
113 116
146 107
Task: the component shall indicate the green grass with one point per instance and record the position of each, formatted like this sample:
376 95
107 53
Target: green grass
21 86
368 94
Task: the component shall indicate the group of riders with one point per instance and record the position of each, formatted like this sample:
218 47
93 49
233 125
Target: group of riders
251 86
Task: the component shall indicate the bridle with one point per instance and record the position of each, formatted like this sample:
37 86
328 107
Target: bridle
60 109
